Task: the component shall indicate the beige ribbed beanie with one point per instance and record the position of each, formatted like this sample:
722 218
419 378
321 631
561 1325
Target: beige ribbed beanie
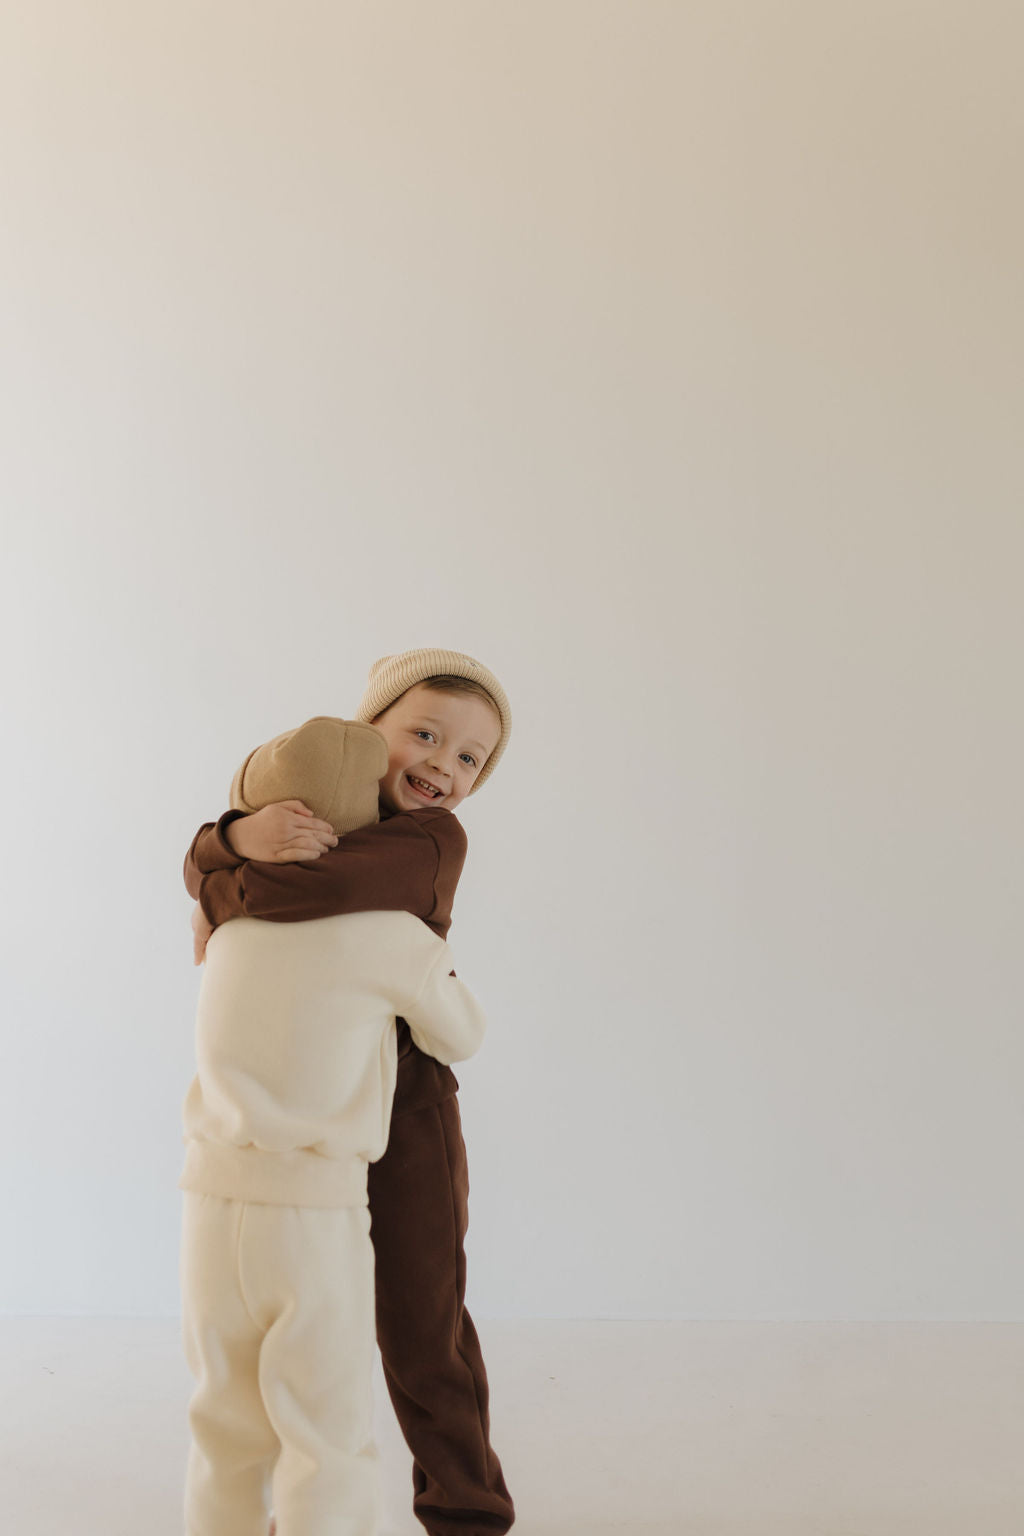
392 676
333 765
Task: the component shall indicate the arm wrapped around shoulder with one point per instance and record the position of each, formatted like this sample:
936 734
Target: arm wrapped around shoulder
446 1020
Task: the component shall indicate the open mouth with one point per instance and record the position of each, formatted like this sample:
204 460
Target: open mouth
422 788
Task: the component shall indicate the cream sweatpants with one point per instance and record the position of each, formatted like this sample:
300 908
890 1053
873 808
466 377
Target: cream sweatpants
278 1313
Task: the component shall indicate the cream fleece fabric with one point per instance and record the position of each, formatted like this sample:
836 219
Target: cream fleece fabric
297 1056
279 1333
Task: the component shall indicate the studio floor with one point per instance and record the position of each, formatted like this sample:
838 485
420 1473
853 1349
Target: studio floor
637 1429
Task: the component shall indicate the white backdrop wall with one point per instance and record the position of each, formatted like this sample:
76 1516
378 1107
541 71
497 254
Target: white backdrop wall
667 357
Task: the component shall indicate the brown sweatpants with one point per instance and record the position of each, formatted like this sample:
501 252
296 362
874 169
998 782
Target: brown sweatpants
419 1210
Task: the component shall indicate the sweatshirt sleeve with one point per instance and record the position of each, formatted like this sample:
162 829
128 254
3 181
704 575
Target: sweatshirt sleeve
446 1020
209 851
409 863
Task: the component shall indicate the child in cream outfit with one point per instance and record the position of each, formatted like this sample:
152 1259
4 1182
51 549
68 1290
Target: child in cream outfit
296 1050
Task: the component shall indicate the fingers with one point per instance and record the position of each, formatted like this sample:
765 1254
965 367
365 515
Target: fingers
320 828
201 931
289 832
300 808
299 848
299 823
303 837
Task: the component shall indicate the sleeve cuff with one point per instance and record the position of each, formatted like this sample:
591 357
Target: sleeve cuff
222 895
216 852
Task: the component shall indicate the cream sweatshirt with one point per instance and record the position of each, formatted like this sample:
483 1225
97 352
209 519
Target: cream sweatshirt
296 1051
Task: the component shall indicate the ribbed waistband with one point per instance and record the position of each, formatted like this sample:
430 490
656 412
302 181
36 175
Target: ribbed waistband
299 1177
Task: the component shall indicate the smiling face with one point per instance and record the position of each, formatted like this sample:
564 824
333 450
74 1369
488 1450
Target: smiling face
436 742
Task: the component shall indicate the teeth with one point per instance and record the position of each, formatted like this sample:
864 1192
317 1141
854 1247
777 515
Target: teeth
422 784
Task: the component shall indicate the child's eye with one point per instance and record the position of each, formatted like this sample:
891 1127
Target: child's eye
423 733
469 758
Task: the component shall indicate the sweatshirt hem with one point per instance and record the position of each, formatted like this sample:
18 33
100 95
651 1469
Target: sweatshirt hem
298 1177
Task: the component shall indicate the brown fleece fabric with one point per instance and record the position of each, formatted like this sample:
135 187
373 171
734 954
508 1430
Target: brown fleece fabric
419 1189
409 863
419 1210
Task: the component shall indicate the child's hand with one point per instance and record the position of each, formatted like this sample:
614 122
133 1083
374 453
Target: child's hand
281 834
201 930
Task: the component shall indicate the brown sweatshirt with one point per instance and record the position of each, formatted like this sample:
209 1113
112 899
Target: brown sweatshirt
410 862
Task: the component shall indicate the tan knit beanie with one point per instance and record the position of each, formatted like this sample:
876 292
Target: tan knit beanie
394 675
335 766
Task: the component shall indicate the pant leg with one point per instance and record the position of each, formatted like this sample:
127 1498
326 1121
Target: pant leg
309 1275
419 1203
233 1443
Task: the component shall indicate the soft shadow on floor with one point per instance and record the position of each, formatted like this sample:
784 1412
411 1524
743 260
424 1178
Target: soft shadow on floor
604 1429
